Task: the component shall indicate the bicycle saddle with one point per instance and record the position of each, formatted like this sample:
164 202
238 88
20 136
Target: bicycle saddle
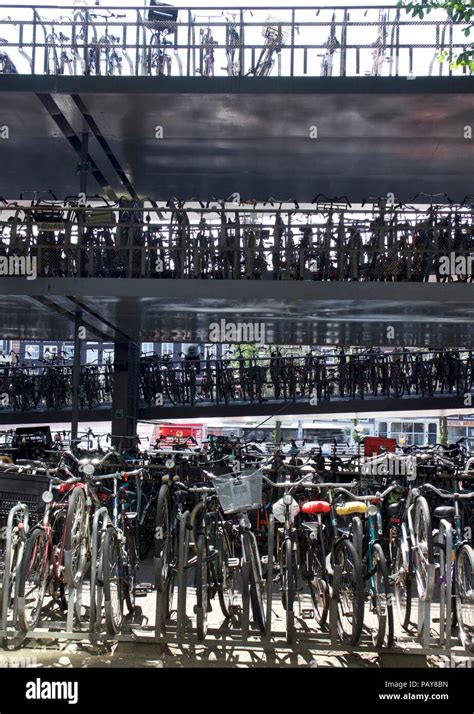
394 508
351 507
444 511
312 507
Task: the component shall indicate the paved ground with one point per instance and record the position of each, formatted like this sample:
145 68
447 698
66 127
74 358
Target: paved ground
222 648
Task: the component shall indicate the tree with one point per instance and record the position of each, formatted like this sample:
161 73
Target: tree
458 11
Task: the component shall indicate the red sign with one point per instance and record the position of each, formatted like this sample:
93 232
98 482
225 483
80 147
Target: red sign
373 445
178 431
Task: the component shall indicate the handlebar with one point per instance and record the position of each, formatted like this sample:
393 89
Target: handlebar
446 494
375 496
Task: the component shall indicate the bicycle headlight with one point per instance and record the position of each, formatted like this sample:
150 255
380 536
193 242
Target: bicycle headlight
169 463
372 510
47 496
88 469
287 499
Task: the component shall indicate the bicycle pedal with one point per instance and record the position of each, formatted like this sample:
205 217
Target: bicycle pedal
264 560
307 614
233 562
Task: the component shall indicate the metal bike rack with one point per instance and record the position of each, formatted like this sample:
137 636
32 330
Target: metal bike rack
446 583
19 509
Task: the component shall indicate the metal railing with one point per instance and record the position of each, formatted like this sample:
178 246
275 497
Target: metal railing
330 240
236 42
305 377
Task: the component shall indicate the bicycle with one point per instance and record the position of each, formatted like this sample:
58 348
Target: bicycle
232 45
6 64
238 494
275 38
207 44
331 566
118 558
214 557
411 549
367 539
285 511
456 566
332 45
43 557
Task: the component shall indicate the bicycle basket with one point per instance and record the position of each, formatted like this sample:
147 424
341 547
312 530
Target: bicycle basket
240 493
26 488
162 17
47 215
100 217
274 30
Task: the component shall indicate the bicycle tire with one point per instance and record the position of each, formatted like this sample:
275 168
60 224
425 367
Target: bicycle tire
287 575
36 553
403 588
225 575
344 551
75 538
129 571
423 554
318 587
383 606
256 581
112 582
202 587
464 586
162 555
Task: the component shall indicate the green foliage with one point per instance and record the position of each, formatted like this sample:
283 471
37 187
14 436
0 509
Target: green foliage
458 11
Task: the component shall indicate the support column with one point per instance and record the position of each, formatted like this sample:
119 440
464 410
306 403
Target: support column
443 431
125 395
76 374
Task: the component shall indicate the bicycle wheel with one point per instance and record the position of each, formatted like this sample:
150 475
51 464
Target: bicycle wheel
163 540
287 573
423 552
76 539
202 587
403 588
147 529
257 585
113 583
225 574
318 587
129 570
34 577
380 598
464 584
350 593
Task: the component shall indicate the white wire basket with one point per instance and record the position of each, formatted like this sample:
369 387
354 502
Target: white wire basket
242 492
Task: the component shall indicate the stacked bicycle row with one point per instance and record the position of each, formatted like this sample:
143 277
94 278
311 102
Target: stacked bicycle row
322 41
245 377
238 239
358 541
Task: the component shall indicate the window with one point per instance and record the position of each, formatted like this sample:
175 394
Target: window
147 348
92 356
383 429
167 348
68 351
5 346
32 351
432 433
50 351
108 355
